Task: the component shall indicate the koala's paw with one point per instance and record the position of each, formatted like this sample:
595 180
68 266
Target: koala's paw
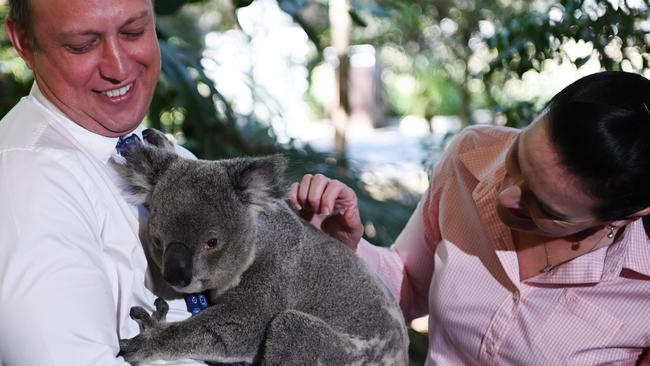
143 347
158 139
134 350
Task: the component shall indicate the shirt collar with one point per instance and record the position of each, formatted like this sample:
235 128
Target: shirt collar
634 253
637 256
100 147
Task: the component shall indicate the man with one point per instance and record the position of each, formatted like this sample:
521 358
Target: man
71 265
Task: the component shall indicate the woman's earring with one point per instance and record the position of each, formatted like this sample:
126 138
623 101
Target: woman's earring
610 234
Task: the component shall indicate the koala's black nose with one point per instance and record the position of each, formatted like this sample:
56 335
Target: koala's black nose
177 265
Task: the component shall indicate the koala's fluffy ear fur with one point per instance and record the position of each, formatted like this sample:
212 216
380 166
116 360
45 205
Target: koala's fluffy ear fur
260 181
141 168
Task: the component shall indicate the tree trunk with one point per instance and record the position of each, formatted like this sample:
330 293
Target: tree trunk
340 27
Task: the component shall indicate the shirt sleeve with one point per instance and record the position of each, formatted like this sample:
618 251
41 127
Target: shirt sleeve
406 267
56 302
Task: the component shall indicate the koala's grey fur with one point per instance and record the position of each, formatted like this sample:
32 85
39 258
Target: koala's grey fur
281 291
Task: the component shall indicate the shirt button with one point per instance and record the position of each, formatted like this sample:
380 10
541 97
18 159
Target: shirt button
515 297
489 347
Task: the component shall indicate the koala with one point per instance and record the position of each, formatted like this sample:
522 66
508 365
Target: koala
281 292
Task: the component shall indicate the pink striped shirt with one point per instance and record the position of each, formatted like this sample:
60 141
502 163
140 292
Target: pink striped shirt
455 261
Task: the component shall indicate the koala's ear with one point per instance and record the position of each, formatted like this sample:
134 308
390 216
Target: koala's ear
260 181
141 168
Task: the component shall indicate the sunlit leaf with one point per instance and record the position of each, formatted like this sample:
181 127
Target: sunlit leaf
580 61
357 19
167 7
242 3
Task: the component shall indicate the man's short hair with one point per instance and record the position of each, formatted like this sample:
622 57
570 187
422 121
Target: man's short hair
19 13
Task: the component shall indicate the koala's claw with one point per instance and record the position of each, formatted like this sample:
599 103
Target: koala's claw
155 320
131 350
161 310
142 347
141 317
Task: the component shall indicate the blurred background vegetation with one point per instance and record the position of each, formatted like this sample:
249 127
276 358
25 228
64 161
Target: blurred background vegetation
476 61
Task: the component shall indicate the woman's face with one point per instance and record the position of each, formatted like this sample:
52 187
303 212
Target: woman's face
537 194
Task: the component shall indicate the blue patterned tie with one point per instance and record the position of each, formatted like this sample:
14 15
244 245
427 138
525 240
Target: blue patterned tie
196 303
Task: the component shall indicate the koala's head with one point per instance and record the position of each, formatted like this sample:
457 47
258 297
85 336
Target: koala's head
203 214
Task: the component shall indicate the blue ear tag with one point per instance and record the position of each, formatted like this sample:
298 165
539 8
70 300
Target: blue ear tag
196 303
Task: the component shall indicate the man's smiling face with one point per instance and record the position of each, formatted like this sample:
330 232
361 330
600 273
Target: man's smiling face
97 61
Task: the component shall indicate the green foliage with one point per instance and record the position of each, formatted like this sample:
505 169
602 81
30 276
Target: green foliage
242 3
454 36
518 114
15 78
529 37
10 89
170 7
431 92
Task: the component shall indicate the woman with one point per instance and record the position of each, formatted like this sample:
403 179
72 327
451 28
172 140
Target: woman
529 247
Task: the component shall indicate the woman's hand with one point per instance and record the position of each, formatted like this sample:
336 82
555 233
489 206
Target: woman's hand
330 206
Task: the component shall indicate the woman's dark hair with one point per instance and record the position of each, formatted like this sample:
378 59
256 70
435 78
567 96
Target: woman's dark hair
600 126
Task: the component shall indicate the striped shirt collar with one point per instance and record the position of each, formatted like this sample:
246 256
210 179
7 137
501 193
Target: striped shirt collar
631 252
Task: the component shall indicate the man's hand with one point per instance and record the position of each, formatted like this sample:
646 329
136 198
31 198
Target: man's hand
330 206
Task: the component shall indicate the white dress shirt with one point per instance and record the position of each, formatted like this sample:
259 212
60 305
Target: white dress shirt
71 262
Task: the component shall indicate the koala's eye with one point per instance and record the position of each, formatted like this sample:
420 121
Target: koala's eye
211 243
157 243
